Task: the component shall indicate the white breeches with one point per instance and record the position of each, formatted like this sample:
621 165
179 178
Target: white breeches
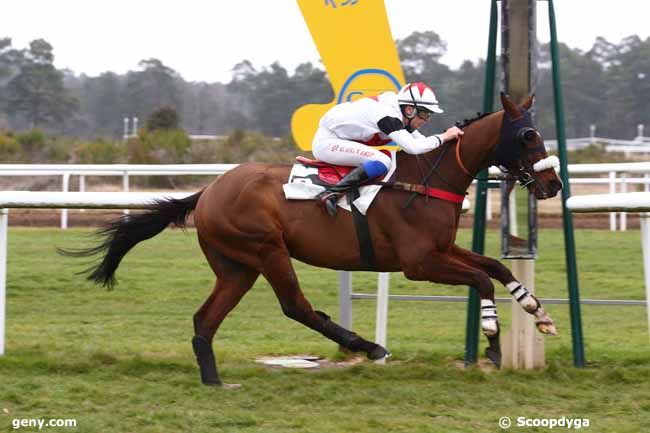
329 148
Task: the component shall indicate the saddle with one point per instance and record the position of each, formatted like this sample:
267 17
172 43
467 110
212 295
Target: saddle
328 174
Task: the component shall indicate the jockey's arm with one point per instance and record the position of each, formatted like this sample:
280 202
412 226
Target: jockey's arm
415 144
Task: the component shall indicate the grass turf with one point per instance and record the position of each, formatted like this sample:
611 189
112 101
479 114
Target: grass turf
121 361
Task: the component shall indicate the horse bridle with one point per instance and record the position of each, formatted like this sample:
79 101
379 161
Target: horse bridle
512 141
523 172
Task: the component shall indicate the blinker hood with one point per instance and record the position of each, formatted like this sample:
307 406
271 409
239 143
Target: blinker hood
510 148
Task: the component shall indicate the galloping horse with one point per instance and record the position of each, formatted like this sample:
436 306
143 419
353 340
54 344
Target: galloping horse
246 227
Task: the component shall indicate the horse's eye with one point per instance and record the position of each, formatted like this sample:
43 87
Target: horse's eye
528 135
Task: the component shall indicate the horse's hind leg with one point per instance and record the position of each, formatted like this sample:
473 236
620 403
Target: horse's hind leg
278 270
234 279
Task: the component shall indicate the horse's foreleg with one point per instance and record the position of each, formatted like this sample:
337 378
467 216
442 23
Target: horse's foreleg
233 281
447 269
495 269
279 272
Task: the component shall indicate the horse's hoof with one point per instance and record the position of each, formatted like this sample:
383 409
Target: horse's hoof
494 356
546 327
378 353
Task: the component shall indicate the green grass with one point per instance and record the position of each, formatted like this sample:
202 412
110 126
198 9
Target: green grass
121 361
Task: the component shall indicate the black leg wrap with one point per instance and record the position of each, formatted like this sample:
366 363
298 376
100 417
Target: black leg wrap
350 340
493 351
205 359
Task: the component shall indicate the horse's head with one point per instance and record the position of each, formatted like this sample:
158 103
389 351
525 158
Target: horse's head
521 151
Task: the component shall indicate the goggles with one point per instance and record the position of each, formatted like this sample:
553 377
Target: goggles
422 114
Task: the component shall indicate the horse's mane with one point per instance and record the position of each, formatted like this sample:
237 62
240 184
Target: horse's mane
466 122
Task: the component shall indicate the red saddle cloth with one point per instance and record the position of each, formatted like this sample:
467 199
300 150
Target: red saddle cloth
328 173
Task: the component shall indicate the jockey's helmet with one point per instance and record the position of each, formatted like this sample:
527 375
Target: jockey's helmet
420 96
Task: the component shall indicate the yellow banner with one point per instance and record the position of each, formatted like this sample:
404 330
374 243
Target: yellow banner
356 46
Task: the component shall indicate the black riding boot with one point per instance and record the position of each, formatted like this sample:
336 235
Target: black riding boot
351 180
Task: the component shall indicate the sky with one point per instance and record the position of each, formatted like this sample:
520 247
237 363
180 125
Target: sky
203 39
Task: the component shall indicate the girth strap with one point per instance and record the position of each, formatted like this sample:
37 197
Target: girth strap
366 248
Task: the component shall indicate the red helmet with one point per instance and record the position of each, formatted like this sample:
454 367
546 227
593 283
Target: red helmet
419 95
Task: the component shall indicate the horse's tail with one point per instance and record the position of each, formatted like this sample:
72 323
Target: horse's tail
124 233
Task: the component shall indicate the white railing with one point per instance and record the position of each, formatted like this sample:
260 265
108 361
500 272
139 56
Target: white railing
121 170
618 176
629 202
640 143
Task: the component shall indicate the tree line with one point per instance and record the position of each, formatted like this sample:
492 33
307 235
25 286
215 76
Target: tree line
608 85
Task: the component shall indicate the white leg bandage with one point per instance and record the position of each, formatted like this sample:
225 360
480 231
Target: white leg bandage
523 296
489 317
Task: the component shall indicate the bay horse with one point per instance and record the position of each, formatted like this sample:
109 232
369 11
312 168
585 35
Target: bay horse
246 227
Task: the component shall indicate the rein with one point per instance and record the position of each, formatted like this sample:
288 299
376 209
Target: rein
426 191
425 180
459 160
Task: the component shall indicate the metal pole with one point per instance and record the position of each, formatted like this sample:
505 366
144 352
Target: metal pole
623 215
82 187
569 240
488 205
612 190
3 275
126 128
645 243
382 311
64 212
125 187
478 236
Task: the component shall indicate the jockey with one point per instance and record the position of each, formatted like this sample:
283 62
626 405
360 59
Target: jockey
348 132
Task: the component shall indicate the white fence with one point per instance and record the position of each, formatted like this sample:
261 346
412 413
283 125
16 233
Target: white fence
640 144
628 202
619 176
121 170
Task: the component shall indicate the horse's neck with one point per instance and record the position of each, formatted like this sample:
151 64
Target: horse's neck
480 141
476 150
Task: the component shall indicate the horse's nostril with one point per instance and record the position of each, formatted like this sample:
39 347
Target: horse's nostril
557 185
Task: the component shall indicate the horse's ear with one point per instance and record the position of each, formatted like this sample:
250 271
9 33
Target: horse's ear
510 107
529 102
